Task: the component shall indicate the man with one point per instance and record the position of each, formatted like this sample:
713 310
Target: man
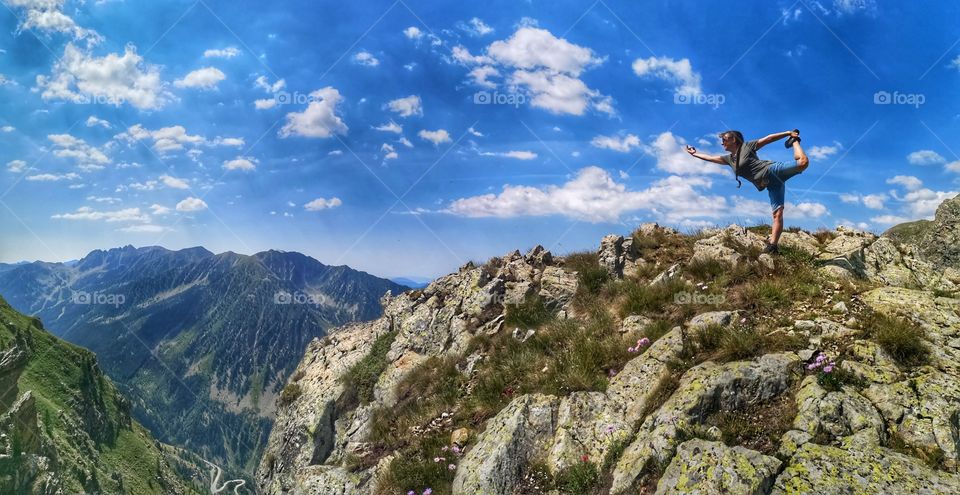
764 174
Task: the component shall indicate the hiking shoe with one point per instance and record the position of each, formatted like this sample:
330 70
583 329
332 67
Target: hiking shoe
771 249
790 140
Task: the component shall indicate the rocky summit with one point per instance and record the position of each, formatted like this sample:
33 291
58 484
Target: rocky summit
660 363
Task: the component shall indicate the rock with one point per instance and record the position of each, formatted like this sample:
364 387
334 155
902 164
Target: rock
940 244
538 256
836 272
586 426
611 255
652 228
829 470
846 250
326 480
830 329
519 431
671 273
722 318
802 241
634 385
460 436
557 286
705 388
635 324
846 415
840 308
724 245
766 260
706 467
805 326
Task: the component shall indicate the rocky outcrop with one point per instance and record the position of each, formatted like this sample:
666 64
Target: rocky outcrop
712 468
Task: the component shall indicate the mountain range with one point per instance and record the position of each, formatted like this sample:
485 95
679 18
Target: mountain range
200 343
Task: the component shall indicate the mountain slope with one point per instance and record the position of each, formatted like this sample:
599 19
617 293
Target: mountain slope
660 363
65 428
199 342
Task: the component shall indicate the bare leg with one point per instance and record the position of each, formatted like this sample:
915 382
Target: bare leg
777 225
800 156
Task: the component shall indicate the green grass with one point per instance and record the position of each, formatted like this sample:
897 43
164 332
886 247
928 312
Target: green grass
590 275
578 479
757 426
900 338
362 377
290 393
530 313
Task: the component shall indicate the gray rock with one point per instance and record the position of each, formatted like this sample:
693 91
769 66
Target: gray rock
512 438
557 286
712 468
610 255
722 318
829 470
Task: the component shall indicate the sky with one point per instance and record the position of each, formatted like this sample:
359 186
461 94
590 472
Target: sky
405 137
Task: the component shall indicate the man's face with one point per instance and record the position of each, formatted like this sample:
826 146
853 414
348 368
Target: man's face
728 143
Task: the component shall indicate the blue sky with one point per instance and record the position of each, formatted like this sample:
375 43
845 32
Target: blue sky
405 138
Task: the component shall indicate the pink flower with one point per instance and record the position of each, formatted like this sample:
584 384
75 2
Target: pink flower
456 450
585 458
827 368
610 429
631 349
642 342
445 448
411 492
811 366
452 467
436 459
428 491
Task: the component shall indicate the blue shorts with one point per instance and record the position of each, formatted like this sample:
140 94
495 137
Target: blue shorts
777 176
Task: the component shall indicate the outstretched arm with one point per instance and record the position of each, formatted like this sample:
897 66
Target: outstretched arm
703 156
773 137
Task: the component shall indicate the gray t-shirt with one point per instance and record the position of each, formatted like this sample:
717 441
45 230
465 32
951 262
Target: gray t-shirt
751 167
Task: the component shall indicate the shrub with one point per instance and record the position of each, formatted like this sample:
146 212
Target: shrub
290 393
741 343
590 275
900 338
641 298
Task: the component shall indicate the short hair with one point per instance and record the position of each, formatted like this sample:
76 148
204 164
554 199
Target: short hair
737 135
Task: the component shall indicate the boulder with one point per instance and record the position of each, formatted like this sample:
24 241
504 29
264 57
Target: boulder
712 468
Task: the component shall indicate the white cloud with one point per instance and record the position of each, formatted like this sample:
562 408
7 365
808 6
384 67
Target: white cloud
925 157
335 152
93 121
874 201
228 52
808 210
822 152
88 213
228 141
158 209
481 73
8 128
436 137
264 84
390 153
519 155
241 163
594 196
679 72
413 33
953 166
407 106
404 141
206 78
319 119
165 139
174 182
390 127
850 198
113 79
476 27
53 177
322 204
16 166
265 103
671 157
103 199
365 58
545 68
909 182
889 219
622 144
474 132
47 16
86 156
191 204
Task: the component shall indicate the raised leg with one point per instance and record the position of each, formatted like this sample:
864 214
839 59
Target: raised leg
800 156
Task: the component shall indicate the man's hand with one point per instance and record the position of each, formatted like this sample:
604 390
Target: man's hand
794 134
691 150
